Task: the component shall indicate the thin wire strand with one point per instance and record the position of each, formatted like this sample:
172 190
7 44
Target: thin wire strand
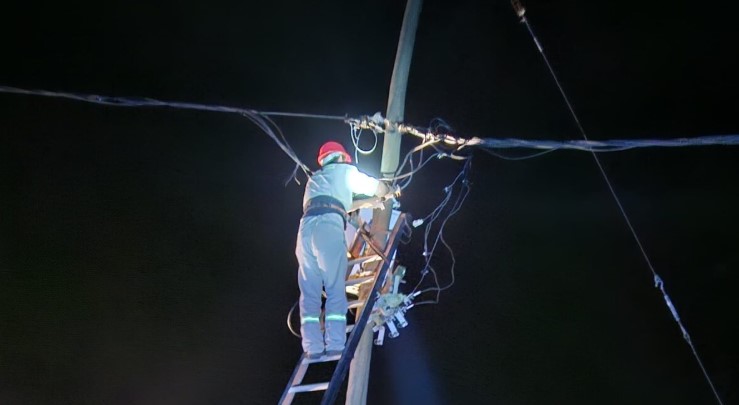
444 242
427 229
658 281
409 158
440 235
304 115
289 315
429 221
415 170
355 133
531 156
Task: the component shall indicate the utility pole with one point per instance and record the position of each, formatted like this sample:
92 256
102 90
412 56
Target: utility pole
359 371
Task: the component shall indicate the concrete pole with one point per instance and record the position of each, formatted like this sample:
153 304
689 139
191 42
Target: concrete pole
359 371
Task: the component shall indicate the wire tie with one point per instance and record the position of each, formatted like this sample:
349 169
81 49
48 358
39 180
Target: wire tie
658 283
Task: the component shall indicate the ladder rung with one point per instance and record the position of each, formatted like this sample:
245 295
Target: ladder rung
323 359
355 304
364 259
358 280
309 387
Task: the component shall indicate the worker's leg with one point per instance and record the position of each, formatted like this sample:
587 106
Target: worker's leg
330 247
310 282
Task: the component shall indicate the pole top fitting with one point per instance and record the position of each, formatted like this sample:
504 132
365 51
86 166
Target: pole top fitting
518 8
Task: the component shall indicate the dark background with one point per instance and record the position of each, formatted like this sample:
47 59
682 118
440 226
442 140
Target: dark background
146 255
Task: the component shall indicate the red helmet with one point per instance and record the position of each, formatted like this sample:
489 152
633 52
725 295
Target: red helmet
333 147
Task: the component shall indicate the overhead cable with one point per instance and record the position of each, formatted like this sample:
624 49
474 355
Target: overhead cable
150 102
377 124
521 12
260 119
614 145
356 133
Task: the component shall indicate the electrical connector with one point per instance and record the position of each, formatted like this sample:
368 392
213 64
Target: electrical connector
380 339
401 319
393 330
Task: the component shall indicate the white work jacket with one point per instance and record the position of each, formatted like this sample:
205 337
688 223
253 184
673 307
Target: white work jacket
340 181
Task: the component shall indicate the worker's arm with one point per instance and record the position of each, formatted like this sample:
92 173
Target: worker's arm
382 189
382 193
363 184
372 202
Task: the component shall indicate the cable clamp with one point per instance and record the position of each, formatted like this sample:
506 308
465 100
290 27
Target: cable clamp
377 119
658 282
518 8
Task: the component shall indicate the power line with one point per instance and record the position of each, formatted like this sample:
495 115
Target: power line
259 119
150 102
520 11
376 123
613 145
525 157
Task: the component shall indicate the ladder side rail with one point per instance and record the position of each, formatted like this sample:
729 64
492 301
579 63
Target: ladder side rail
298 374
355 250
340 372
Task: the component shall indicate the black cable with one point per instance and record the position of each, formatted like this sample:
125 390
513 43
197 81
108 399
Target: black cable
289 315
429 220
440 237
520 11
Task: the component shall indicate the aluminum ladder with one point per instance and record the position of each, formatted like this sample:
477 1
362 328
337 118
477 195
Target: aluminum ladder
331 388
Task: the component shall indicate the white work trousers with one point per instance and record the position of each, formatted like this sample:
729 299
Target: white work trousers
321 253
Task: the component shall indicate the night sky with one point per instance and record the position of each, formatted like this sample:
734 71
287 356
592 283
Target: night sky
146 255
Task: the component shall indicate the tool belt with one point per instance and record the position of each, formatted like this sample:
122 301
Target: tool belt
324 204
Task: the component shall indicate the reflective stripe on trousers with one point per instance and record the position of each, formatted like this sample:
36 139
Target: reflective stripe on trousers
321 254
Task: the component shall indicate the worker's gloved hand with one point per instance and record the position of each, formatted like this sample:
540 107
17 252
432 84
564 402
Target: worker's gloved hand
396 191
391 193
388 191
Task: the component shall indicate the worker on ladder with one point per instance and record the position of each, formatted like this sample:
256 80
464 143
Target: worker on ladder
321 246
